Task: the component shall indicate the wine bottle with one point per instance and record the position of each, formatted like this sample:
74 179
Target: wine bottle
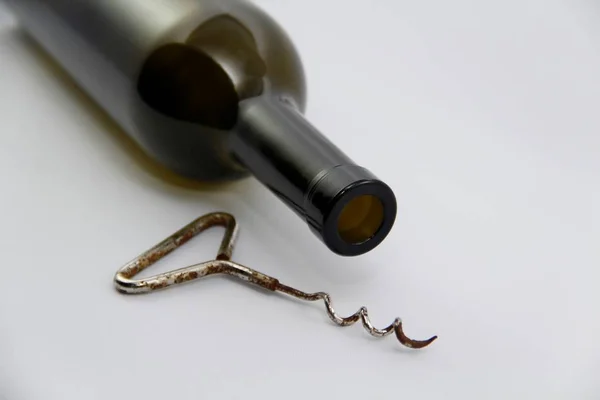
214 90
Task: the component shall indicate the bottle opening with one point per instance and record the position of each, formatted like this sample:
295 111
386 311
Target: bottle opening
360 219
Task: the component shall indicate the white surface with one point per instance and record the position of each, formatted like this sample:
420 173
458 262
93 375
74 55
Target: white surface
483 116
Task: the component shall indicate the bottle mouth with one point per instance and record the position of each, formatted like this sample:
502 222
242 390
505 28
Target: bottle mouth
360 219
351 210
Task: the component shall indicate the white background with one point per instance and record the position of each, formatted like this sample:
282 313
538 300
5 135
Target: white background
484 118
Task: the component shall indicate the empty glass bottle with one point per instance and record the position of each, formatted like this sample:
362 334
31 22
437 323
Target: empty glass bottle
214 90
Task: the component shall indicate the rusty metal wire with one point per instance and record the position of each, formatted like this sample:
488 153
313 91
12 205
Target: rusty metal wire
125 283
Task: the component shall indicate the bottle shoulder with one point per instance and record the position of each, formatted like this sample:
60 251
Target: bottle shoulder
220 55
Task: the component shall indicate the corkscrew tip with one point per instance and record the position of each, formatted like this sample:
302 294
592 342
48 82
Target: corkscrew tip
411 343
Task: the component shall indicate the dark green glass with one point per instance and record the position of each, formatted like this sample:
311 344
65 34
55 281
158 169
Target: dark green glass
214 90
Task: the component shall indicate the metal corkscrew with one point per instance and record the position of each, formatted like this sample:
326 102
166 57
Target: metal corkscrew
125 283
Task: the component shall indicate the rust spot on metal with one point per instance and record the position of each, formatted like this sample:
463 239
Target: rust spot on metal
161 284
154 257
185 277
186 238
411 343
133 270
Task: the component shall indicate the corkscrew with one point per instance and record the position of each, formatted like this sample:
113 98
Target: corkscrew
222 264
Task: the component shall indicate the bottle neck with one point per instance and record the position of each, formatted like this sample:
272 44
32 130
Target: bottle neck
345 205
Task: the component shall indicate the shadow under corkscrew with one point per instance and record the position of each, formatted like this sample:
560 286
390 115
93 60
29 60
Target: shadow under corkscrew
125 283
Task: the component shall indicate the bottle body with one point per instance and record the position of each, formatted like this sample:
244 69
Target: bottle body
214 90
124 54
